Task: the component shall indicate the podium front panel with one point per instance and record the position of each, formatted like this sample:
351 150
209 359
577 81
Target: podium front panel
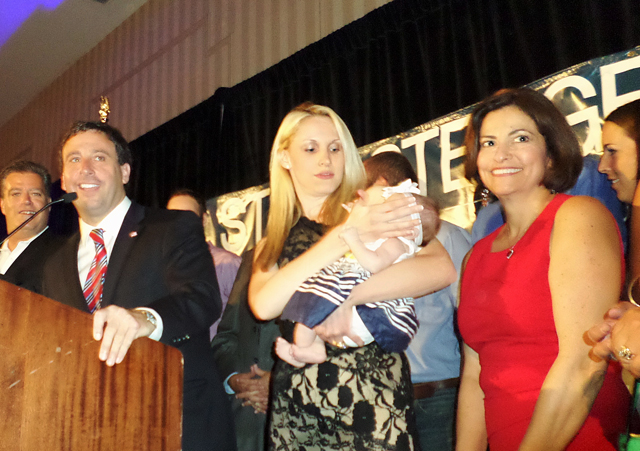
57 395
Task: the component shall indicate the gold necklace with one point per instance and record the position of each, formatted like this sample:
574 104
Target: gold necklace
511 249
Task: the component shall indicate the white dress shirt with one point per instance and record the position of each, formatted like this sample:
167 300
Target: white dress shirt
87 250
8 256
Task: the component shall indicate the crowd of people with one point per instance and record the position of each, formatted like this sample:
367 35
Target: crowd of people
343 328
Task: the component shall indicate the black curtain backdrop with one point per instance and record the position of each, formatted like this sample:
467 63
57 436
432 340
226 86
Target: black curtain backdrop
400 66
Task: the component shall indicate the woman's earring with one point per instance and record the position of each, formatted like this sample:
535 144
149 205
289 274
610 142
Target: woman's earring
485 197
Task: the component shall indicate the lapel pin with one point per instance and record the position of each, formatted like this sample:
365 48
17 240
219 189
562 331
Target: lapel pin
133 234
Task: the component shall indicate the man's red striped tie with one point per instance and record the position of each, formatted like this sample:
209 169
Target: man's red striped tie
95 279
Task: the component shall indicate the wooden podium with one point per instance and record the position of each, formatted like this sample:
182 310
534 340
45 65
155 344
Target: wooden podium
55 394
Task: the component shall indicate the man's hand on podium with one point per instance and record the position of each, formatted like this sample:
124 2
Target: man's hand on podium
117 328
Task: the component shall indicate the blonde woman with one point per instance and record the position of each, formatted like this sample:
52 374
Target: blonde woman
360 398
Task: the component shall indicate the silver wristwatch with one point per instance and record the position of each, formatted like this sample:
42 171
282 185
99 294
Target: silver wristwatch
149 317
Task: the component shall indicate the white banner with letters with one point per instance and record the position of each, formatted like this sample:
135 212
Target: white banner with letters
585 93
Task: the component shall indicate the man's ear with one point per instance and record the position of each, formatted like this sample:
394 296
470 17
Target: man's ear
285 162
381 182
126 172
206 217
2 206
62 184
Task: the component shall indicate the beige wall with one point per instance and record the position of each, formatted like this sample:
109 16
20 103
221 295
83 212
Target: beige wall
167 57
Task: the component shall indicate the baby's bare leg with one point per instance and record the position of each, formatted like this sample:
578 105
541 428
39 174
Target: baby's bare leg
316 352
283 350
305 350
303 336
307 347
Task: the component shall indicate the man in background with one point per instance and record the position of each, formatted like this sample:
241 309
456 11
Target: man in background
243 349
225 262
25 188
434 353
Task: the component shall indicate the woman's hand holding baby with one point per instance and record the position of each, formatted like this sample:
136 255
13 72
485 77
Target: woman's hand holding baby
387 220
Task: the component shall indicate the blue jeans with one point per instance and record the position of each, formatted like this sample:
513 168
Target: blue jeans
436 418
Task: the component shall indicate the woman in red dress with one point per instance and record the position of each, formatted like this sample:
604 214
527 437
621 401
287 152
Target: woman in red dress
531 289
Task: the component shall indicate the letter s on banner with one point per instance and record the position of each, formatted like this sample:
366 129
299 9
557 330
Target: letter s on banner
228 216
386 148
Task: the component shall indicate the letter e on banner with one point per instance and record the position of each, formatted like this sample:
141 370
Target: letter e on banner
610 98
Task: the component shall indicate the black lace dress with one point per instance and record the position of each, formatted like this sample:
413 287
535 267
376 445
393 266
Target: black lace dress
359 399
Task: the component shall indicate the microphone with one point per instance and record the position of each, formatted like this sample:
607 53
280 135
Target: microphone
66 198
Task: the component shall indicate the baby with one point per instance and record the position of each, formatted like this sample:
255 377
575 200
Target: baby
392 324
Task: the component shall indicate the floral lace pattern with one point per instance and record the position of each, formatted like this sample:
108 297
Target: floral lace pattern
359 399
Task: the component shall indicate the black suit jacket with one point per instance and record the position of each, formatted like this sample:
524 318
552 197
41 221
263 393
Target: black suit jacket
160 260
27 270
241 341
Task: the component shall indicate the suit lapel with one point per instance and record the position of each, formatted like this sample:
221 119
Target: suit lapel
69 273
34 251
24 261
124 242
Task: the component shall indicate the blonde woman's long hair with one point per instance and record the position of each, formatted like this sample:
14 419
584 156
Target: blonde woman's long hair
285 209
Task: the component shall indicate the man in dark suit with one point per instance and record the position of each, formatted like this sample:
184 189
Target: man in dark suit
225 262
158 278
24 189
243 350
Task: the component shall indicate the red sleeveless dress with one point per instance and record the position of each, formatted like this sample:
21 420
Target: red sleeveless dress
506 316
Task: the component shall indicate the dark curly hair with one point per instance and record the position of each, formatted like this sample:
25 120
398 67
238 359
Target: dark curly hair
112 133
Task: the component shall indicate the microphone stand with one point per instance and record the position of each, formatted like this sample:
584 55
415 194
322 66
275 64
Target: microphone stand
66 198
